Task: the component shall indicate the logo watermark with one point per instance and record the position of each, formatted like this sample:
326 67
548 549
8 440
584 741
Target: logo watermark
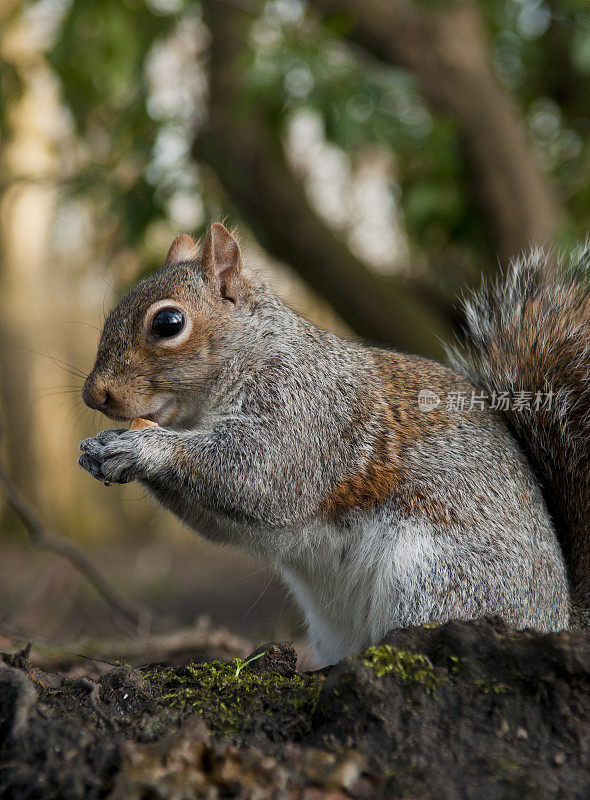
479 401
428 400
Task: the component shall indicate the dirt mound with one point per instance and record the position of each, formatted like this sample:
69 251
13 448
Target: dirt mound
467 710
461 710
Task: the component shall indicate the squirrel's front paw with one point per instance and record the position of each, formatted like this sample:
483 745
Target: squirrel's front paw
113 456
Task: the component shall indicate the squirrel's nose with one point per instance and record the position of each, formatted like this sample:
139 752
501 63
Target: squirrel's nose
96 396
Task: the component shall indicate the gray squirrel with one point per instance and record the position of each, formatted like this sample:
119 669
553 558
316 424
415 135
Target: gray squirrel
345 465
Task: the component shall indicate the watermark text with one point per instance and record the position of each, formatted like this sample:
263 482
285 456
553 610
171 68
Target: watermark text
479 401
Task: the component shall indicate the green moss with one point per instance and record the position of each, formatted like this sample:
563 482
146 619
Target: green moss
411 667
455 666
230 697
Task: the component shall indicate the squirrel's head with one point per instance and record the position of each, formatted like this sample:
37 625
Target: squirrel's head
164 340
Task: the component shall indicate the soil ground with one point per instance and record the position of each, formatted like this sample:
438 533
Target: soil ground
461 710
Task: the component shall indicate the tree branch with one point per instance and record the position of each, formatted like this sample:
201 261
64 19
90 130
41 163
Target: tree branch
249 161
447 51
136 615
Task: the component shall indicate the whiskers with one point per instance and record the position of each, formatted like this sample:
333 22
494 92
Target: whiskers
59 362
69 393
79 322
55 391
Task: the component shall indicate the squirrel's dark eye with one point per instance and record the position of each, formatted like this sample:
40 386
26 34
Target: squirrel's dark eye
168 322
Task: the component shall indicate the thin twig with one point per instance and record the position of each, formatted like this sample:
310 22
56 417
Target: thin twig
139 616
155 648
93 688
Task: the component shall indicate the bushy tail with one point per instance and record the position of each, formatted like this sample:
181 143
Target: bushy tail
530 333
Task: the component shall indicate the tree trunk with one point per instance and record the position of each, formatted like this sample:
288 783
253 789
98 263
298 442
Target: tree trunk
446 49
26 206
249 160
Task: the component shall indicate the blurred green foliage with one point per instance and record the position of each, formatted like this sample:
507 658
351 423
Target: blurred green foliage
99 55
541 51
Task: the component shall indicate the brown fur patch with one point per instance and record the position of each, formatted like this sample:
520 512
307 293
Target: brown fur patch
390 422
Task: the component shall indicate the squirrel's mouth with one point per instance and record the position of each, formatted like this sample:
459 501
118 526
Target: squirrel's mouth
163 415
115 417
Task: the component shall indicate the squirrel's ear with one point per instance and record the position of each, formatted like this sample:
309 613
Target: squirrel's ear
222 261
182 249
